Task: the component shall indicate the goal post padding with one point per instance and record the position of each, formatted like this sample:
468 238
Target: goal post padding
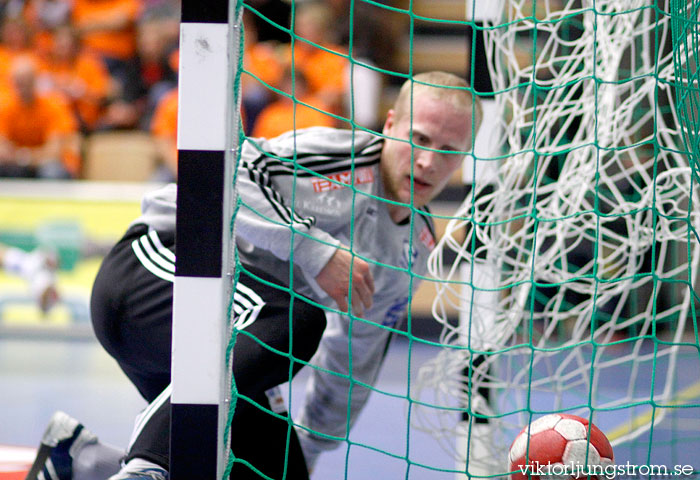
207 138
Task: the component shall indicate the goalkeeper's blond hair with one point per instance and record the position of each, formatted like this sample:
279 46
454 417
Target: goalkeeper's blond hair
441 85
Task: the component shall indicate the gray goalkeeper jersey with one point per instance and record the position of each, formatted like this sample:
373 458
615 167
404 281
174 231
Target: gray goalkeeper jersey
303 195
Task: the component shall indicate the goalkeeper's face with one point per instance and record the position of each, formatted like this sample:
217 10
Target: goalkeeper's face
423 149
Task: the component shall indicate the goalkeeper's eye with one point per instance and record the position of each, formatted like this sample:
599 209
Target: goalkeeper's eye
420 139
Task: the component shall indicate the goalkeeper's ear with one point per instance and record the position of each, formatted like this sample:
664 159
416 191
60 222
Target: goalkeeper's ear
389 122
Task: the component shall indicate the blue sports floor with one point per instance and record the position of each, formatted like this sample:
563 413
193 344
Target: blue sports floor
38 376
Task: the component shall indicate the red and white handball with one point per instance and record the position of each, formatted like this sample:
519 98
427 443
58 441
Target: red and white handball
556 446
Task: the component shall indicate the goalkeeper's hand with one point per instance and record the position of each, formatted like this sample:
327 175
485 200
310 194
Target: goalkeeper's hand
346 273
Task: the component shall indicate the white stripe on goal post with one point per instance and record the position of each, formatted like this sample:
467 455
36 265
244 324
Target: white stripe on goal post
207 136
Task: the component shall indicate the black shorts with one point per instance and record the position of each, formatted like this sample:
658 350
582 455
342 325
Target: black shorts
131 308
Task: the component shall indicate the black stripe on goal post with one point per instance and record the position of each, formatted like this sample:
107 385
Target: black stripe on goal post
200 376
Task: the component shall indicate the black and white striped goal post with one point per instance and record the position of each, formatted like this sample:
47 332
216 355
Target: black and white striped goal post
207 142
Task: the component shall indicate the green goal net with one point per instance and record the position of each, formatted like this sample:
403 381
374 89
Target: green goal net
567 279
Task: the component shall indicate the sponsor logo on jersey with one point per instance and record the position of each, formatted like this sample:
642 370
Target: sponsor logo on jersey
395 312
426 238
336 181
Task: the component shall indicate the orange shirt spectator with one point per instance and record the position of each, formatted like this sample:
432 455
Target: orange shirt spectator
143 80
5 83
325 71
284 114
262 71
79 75
36 130
43 17
16 37
164 130
324 68
165 117
259 58
32 125
108 26
15 41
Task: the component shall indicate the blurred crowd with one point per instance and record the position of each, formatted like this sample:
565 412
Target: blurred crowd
73 68
69 68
